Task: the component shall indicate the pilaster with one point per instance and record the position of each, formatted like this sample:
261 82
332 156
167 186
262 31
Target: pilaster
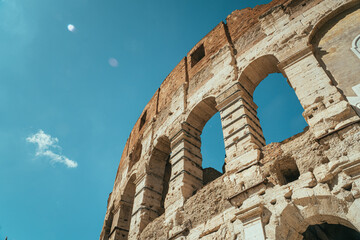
121 221
146 203
186 172
325 108
243 135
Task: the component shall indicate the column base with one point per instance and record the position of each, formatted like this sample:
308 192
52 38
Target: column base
243 161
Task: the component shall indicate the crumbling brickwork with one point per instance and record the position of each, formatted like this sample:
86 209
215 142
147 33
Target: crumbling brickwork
304 186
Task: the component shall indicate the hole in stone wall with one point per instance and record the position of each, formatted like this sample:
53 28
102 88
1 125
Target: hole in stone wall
330 231
142 120
279 109
348 187
197 55
290 175
287 170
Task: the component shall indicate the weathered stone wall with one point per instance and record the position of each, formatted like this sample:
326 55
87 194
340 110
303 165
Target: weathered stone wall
338 59
270 191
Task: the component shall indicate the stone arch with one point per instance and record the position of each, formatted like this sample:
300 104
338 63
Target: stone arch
297 216
197 119
194 125
337 59
159 171
257 71
186 159
327 17
135 155
107 229
305 68
201 113
121 222
243 134
253 75
151 188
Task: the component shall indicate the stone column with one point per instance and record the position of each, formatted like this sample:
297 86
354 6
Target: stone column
120 223
241 127
325 108
186 172
146 203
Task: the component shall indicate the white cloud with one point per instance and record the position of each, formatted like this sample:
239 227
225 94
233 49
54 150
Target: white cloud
45 146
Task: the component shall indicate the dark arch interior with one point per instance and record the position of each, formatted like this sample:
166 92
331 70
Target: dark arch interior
165 189
126 208
135 155
279 109
327 231
160 169
108 223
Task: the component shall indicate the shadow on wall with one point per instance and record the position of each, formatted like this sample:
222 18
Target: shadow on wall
279 109
330 231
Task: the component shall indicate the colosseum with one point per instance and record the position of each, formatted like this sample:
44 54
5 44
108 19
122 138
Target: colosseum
305 187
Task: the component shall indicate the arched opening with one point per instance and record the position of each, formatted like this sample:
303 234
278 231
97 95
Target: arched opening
159 173
335 40
165 185
108 225
121 227
316 217
279 109
327 231
334 51
212 149
206 120
135 155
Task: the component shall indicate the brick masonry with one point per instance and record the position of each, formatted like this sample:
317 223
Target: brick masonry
273 191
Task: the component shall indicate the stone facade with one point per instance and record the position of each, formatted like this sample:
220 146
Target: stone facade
303 187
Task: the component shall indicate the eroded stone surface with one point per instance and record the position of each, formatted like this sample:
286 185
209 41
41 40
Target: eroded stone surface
273 191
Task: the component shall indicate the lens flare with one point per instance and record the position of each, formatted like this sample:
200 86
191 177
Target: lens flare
71 27
113 62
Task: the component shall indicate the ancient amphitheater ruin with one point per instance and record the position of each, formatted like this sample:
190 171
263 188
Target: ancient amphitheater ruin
306 187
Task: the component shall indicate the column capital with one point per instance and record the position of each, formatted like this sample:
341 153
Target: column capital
231 94
185 131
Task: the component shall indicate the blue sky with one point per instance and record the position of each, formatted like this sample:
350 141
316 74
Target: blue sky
66 112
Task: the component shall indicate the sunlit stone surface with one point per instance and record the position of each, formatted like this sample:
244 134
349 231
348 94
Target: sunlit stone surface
295 189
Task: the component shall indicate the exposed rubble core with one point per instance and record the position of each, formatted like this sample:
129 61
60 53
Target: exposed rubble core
306 187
